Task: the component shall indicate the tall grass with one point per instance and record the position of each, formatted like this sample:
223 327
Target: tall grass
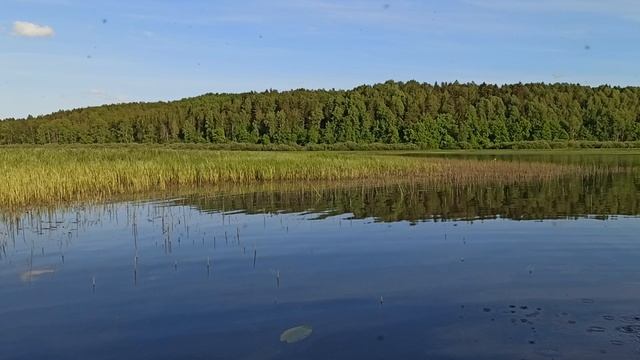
48 175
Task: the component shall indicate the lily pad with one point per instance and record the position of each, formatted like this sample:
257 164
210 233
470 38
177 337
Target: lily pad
296 334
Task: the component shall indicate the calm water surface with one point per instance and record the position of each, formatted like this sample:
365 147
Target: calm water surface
535 271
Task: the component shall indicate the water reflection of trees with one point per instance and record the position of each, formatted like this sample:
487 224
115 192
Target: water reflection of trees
595 195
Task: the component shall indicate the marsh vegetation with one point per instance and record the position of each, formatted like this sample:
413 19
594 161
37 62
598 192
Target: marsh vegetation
51 175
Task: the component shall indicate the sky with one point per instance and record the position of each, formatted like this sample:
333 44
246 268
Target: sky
64 54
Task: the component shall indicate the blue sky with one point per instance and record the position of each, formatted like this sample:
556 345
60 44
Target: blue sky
61 54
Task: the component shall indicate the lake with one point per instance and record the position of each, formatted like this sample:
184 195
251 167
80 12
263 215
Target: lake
545 270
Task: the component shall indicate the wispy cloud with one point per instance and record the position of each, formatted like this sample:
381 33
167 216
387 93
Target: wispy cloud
44 2
256 12
359 11
627 9
408 16
198 20
27 29
106 97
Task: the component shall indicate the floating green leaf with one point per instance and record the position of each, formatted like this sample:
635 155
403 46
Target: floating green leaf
296 334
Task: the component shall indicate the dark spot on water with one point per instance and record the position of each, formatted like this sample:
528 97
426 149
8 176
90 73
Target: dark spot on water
486 310
532 342
595 329
523 320
630 319
386 6
104 21
513 311
380 338
571 322
523 307
629 329
512 306
587 47
539 309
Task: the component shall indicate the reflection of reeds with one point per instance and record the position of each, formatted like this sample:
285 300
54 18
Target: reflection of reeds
47 175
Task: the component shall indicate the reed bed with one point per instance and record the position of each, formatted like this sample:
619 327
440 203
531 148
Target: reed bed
31 176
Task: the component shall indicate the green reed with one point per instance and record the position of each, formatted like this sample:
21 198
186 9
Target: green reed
52 174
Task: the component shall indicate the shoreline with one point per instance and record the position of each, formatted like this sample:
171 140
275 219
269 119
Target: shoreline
50 175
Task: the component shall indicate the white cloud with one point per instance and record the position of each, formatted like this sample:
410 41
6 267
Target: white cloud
27 29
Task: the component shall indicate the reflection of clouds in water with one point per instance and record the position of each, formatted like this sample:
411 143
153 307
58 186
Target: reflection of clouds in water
35 274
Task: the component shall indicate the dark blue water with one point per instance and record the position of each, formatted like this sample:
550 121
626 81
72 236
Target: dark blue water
160 280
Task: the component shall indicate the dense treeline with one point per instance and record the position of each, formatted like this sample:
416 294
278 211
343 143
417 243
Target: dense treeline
449 115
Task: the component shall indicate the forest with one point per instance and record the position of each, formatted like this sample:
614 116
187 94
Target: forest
431 116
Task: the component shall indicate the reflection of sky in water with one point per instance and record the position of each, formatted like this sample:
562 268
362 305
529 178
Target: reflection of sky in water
479 290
